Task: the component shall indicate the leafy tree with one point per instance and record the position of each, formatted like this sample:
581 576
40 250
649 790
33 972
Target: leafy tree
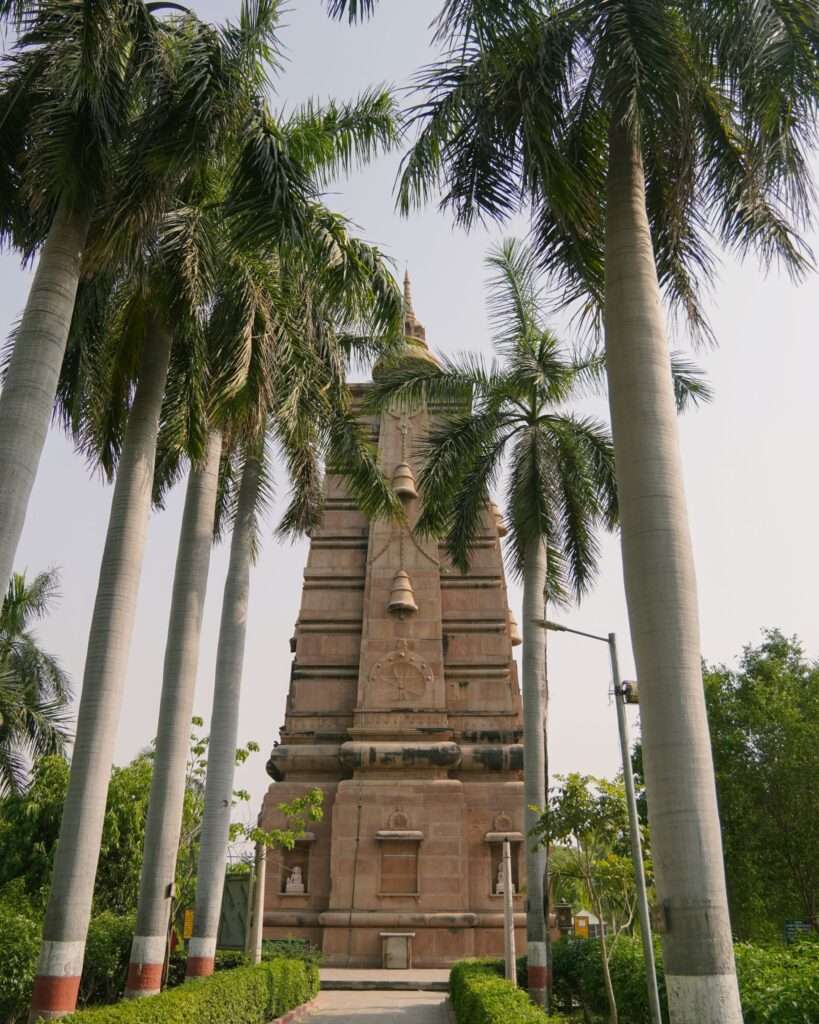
764 720
35 692
587 820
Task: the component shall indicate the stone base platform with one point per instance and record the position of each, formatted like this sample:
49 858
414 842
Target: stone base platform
341 979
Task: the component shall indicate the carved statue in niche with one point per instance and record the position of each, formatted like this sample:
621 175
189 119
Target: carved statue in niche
295 882
401 676
500 888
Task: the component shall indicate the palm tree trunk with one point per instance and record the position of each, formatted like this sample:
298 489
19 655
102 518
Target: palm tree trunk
534 764
661 591
547 883
75 862
27 398
224 726
164 820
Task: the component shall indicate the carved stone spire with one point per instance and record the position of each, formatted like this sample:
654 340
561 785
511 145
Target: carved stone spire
412 328
409 311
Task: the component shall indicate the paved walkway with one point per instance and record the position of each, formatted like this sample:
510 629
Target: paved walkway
362 978
380 1008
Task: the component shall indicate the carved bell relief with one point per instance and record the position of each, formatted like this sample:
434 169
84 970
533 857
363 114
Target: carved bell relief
402 596
403 482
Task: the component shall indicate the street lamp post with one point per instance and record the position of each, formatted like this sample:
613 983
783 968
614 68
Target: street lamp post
621 691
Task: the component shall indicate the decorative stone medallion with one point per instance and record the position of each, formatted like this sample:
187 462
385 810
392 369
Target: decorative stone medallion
401 676
502 823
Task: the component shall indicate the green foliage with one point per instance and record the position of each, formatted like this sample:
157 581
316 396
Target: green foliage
35 692
107 951
577 970
117 883
29 827
246 995
481 995
298 949
227 959
764 723
779 985
19 950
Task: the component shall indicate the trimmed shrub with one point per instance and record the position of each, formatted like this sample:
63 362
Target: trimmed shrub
19 950
481 995
246 995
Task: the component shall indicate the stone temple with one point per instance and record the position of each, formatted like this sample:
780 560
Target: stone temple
404 708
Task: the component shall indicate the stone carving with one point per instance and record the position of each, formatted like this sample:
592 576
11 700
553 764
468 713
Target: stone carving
500 888
294 883
502 823
398 822
401 676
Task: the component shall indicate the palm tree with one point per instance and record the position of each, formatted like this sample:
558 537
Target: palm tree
245 324
330 302
560 490
156 290
68 89
35 692
634 131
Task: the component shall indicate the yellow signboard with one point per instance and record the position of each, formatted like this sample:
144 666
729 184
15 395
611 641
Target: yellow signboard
187 925
581 927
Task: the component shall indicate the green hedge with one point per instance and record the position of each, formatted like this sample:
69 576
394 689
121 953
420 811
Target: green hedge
246 995
227 959
481 995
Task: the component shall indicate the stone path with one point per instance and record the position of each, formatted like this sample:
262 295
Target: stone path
362 978
380 1008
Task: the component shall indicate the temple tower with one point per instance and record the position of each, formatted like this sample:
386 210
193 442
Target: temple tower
404 708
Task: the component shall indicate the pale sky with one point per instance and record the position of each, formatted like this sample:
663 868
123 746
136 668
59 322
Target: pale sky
749 457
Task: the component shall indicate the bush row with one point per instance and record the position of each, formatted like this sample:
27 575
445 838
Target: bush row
226 959
107 952
246 995
481 995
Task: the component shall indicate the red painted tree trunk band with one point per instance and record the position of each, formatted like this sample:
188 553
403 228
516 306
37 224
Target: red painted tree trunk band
537 976
142 977
199 966
55 995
